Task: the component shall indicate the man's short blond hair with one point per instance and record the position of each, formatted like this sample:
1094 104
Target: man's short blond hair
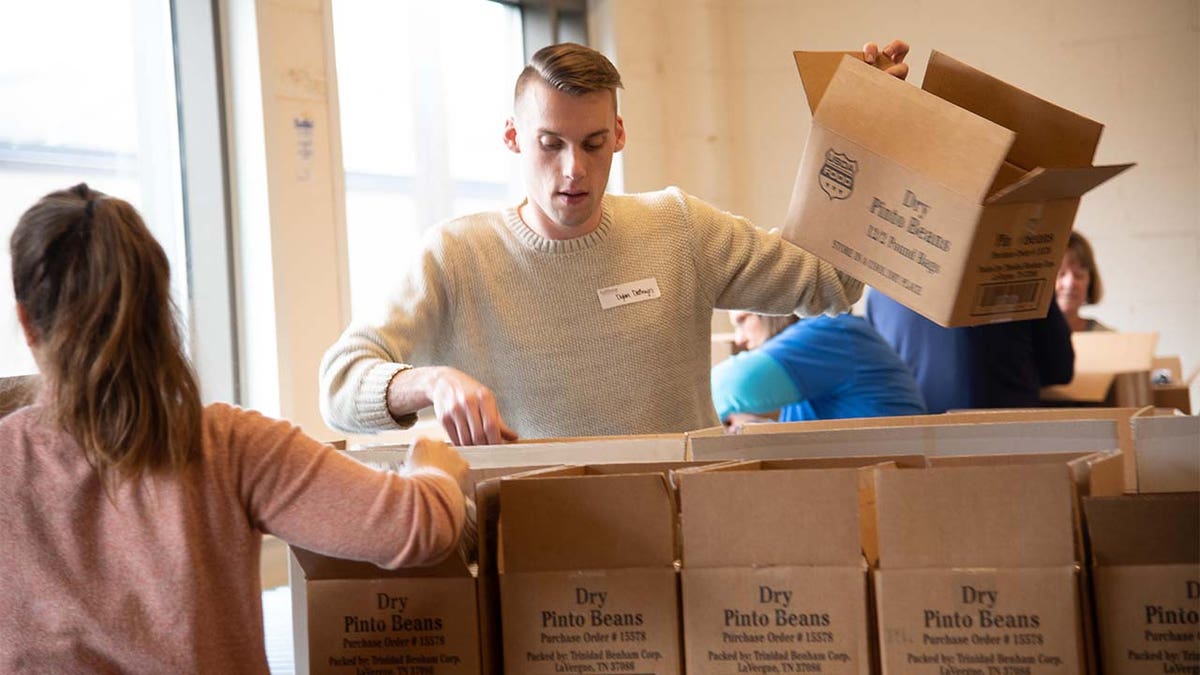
571 68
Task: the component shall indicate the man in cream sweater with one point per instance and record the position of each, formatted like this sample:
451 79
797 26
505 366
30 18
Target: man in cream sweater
575 313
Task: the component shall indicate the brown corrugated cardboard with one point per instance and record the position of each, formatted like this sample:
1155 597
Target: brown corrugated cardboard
1166 452
1110 369
957 202
1170 388
990 416
344 618
927 435
557 451
1094 473
1098 474
352 617
1145 557
773 577
978 570
587 573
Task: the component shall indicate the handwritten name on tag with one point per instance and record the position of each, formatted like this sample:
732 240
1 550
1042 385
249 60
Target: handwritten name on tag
628 293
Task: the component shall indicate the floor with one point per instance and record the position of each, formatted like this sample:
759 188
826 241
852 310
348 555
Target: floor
277 607
277 628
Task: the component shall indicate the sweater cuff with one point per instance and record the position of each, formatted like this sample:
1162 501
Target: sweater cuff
853 287
371 403
463 517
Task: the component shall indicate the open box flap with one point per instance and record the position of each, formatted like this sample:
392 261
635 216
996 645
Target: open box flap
914 129
587 522
319 567
1144 529
1047 135
1042 184
817 69
979 516
766 518
1099 357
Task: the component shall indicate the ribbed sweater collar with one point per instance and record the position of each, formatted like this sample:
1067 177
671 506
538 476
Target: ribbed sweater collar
537 242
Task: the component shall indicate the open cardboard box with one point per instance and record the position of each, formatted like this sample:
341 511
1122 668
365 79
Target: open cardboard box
1110 369
955 199
1166 456
979 568
350 616
774 577
587 570
1145 561
1097 474
1171 389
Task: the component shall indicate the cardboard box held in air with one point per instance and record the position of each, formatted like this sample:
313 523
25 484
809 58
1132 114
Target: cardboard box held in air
587 572
955 199
1111 369
1145 559
773 574
978 570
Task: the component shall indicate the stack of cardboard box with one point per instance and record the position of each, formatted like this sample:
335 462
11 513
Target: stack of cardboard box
870 544
1145 554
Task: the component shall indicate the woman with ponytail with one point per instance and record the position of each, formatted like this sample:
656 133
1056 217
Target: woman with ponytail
131 514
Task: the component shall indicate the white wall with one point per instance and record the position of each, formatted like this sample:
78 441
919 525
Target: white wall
287 185
713 104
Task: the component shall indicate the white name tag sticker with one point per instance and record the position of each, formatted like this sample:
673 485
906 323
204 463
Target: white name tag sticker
628 293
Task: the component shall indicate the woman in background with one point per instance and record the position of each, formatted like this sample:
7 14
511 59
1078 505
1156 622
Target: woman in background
1078 284
131 516
825 367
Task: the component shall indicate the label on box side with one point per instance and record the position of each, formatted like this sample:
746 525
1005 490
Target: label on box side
775 620
873 218
1021 621
1018 251
607 621
400 626
1148 618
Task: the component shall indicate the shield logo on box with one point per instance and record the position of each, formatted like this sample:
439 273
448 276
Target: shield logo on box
837 175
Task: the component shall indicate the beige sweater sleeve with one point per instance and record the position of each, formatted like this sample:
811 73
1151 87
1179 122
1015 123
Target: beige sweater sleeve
356 371
748 268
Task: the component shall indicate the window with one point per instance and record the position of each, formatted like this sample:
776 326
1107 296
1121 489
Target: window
424 89
89 99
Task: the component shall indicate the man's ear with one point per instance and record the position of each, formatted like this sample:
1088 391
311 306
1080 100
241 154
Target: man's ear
620 135
510 135
26 326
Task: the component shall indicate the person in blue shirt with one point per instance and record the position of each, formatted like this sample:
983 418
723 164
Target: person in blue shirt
810 369
1000 365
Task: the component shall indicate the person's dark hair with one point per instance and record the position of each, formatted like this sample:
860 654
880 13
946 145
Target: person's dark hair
571 68
1078 246
95 288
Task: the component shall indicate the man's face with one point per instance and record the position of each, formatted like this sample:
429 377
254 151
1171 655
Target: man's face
566 145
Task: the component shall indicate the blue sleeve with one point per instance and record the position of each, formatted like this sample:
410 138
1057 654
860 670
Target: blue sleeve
751 382
816 353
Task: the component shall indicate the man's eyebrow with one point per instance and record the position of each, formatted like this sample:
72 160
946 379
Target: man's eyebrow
551 132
